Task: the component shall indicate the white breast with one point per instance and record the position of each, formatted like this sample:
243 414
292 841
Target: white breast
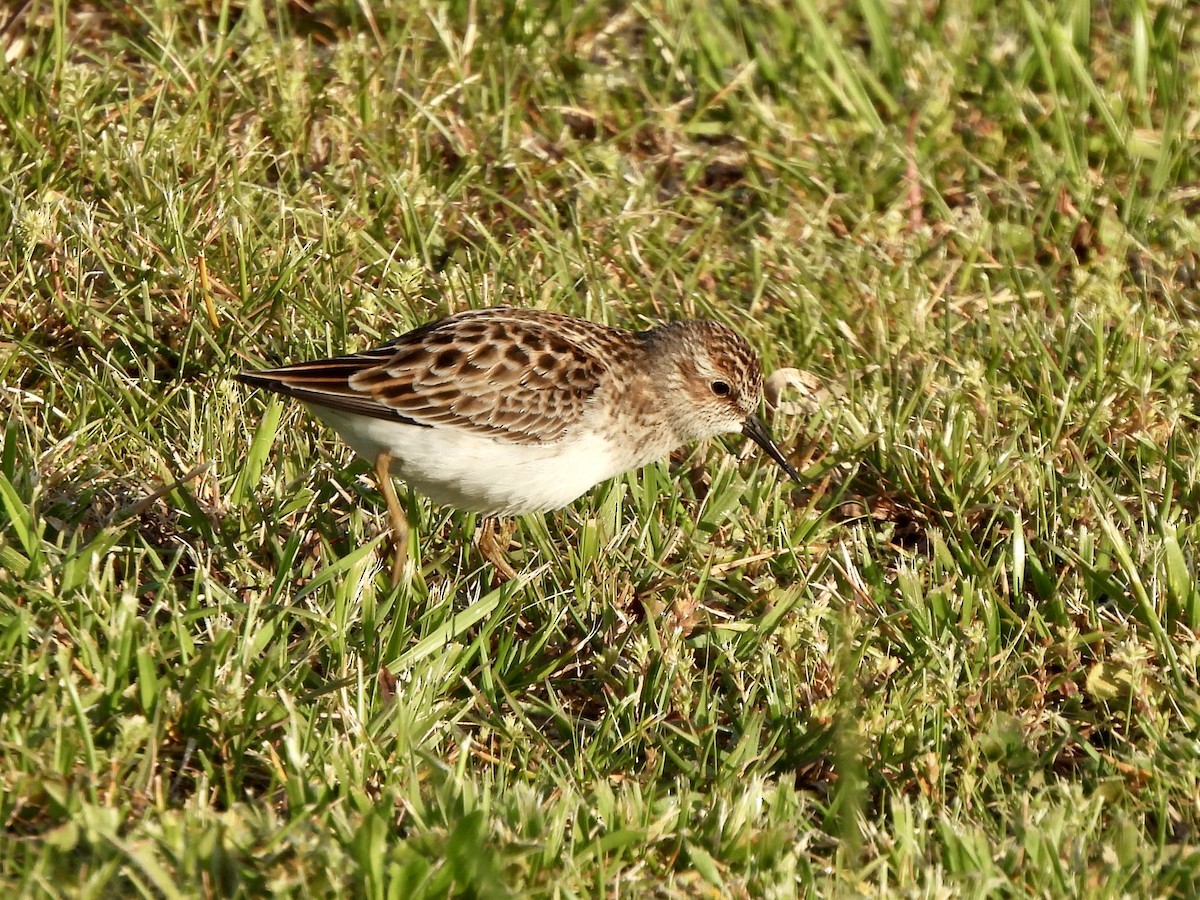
474 472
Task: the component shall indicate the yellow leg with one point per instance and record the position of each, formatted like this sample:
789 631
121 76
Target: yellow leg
383 476
493 541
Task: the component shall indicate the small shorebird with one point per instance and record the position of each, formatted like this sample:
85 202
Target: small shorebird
506 411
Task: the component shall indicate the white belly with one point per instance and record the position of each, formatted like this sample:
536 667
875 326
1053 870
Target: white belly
473 472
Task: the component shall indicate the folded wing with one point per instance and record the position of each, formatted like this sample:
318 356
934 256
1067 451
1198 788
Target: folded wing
525 376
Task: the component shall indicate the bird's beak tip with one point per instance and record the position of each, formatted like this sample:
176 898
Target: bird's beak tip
754 429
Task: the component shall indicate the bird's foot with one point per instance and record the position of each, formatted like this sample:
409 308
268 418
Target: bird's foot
494 539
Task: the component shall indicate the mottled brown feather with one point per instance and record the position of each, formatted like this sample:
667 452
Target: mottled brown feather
525 375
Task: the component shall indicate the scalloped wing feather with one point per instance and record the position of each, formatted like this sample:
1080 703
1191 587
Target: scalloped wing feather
523 376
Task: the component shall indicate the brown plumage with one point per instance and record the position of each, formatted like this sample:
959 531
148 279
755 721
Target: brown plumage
505 411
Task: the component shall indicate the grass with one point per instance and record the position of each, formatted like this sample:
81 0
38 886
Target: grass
962 660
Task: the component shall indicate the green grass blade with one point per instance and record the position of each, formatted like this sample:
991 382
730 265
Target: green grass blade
260 448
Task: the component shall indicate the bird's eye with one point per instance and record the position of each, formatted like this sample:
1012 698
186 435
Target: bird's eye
720 388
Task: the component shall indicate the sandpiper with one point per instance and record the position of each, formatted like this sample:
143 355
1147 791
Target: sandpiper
507 411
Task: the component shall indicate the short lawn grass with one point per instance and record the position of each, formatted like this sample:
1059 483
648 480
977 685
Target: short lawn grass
961 660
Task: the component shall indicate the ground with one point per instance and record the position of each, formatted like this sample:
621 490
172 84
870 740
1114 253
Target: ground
959 660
